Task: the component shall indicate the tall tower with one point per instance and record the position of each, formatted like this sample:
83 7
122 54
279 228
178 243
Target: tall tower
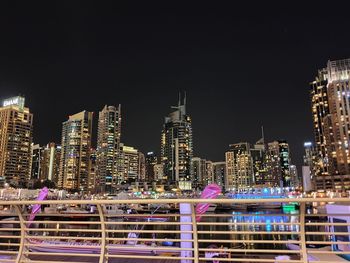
108 150
330 93
320 109
16 135
150 162
239 166
75 151
177 147
278 163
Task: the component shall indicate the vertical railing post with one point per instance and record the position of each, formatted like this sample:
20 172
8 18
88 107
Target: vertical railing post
302 233
21 249
195 234
186 232
103 234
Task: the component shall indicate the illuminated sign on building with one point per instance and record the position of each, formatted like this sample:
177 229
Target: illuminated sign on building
307 144
18 101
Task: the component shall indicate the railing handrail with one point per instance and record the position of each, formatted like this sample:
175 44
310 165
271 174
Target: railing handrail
175 201
110 233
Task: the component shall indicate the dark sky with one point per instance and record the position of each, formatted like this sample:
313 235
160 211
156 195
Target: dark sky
242 66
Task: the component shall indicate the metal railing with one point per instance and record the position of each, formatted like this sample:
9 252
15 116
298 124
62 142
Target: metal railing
240 230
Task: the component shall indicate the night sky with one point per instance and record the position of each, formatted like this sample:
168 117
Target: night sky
242 66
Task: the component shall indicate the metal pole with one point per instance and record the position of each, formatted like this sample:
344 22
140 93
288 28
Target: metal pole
20 255
195 234
302 233
103 235
185 208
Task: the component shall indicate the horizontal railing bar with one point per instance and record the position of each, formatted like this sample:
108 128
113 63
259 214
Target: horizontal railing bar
8 252
243 223
110 246
148 223
249 232
175 201
328 233
63 230
168 248
10 244
254 260
327 242
72 254
329 252
326 224
46 261
150 257
146 231
63 237
275 251
239 215
63 215
108 223
248 241
64 222
147 239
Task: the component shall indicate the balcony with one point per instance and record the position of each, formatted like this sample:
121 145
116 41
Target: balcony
170 230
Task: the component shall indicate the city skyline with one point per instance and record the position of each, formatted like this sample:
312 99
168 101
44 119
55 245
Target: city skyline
240 66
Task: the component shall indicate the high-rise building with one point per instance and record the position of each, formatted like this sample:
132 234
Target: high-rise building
151 161
278 162
320 109
330 93
108 148
239 166
16 135
258 153
94 184
130 163
219 169
37 160
50 162
199 172
75 154
45 162
141 167
294 178
177 147
209 173
158 171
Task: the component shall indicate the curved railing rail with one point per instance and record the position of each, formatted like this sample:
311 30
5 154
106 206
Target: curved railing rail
242 230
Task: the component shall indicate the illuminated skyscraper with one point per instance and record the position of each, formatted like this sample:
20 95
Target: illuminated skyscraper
151 161
131 166
51 162
177 147
37 160
16 128
108 149
142 167
278 162
199 171
330 93
239 166
75 155
45 162
219 169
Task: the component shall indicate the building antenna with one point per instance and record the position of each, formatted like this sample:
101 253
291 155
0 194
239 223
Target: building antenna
185 99
179 99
